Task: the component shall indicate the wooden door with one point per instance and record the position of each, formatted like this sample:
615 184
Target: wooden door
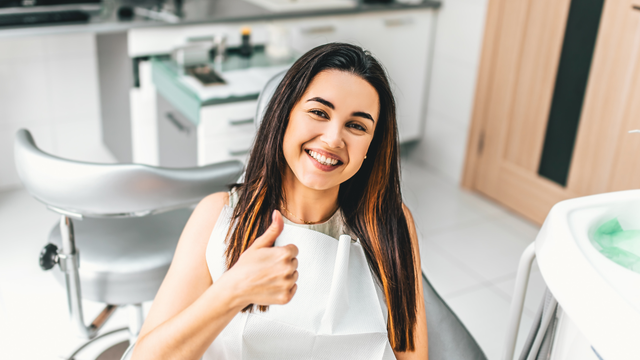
518 76
607 157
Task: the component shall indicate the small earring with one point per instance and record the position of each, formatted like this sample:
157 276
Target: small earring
365 156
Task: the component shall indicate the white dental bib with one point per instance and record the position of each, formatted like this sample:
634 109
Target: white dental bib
338 311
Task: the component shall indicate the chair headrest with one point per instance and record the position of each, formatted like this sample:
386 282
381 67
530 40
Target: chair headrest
266 94
114 190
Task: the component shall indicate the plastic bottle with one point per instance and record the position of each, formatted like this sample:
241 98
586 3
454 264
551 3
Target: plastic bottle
245 47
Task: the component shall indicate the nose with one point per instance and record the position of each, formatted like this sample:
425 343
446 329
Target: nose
332 135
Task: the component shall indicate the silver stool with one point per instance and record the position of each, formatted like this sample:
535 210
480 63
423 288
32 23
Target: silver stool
125 220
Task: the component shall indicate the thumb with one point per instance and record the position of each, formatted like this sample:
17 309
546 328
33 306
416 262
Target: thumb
273 231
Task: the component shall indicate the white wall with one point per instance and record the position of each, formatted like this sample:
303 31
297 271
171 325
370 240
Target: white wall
456 59
49 85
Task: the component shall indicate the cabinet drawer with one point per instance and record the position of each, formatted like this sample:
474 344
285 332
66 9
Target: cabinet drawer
228 119
221 148
177 137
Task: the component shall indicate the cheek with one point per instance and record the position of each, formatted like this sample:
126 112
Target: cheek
295 135
301 130
288 146
359 148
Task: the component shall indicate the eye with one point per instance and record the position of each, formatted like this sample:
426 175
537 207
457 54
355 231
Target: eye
356 126
319 113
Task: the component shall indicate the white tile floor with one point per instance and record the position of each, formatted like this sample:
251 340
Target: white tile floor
469 250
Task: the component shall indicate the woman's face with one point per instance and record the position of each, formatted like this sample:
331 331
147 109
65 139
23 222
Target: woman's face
330 129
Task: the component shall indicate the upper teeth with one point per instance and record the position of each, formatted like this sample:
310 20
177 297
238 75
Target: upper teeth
322 159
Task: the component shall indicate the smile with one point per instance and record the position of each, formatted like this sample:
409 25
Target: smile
323 160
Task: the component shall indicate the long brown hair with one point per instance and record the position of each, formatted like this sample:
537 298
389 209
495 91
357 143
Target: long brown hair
371 200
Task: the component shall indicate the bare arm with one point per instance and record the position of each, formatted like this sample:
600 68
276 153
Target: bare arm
420 334
190 311
187 306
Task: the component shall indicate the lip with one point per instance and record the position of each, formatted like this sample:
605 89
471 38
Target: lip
326 168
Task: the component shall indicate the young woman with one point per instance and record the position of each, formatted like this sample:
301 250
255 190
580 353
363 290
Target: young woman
342 278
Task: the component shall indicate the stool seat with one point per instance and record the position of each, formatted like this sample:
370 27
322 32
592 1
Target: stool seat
124 260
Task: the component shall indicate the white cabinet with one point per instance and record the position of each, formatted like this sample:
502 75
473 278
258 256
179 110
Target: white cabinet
226 132
401 41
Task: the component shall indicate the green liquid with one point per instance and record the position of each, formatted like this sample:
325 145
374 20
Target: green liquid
619 245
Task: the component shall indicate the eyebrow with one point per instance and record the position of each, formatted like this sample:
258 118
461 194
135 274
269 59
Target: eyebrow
328 104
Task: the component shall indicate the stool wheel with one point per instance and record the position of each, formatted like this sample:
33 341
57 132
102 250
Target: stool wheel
48 256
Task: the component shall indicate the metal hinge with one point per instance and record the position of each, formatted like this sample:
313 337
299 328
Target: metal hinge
481 143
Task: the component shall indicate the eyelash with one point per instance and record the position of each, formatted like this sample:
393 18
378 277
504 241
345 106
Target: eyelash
319 113
357 126
325 116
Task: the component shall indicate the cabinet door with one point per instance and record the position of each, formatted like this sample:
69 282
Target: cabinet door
401 41
177 137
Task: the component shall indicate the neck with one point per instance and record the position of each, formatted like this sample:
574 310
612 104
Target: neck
306 204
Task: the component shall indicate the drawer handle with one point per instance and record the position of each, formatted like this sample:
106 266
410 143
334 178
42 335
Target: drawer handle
172 119
237 152
236 122
398 22
325 29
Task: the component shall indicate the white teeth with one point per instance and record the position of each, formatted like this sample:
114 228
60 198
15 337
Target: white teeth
322 159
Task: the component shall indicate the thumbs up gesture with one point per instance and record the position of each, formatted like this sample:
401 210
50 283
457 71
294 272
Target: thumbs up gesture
264 274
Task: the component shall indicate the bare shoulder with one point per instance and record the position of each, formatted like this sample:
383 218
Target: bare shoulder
407 213
206 214
412 232
213 203
196 233
410 222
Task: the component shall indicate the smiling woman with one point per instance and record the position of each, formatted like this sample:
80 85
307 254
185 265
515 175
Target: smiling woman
326 155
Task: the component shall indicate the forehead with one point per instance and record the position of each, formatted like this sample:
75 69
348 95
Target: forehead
346 91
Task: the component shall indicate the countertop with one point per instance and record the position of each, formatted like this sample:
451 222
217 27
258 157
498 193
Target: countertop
194 12
245 79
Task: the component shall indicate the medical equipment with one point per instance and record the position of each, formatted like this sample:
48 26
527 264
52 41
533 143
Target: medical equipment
592 306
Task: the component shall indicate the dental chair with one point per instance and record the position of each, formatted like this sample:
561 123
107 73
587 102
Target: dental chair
119 227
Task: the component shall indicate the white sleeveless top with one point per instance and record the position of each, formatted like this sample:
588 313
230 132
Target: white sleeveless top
338 311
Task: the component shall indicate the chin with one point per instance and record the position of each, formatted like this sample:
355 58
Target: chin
313 182
319 185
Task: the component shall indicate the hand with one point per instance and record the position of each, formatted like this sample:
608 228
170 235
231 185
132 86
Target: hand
265 274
